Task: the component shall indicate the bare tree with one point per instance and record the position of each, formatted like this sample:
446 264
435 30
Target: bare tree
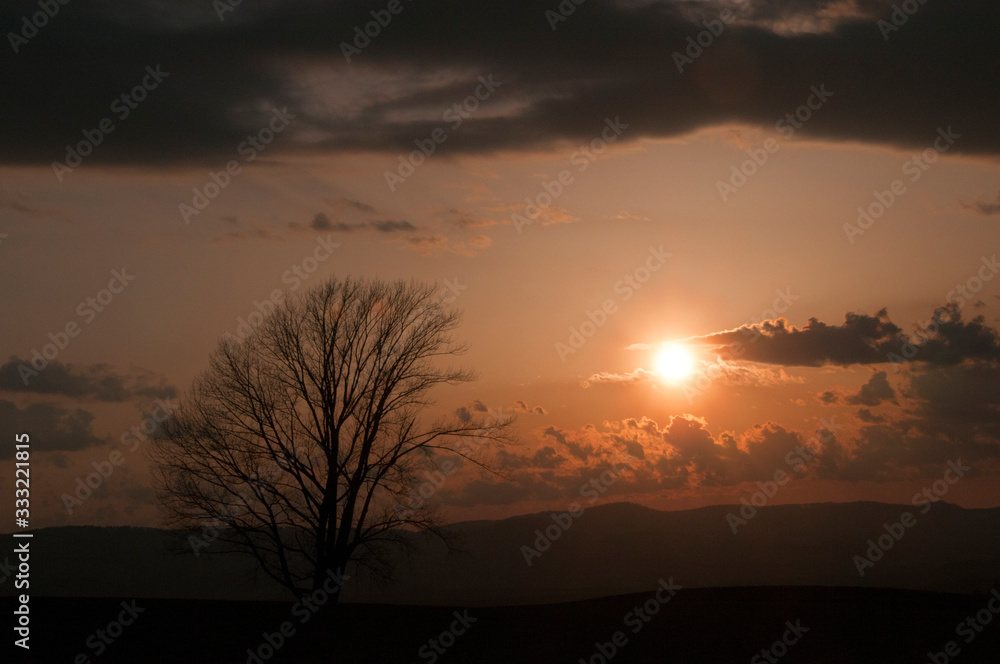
304 438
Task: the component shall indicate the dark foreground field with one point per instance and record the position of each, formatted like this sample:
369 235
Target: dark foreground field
722 625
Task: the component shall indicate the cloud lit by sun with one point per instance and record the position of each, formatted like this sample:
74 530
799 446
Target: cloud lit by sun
675 363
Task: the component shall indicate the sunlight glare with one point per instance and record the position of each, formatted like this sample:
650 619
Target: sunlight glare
674 363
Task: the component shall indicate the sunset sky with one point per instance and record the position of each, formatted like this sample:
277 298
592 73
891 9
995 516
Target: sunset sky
600 176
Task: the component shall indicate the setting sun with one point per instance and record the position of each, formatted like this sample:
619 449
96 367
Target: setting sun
675 363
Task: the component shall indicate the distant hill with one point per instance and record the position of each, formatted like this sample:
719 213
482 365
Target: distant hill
610 549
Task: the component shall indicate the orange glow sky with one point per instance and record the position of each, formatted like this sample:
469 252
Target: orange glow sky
782 231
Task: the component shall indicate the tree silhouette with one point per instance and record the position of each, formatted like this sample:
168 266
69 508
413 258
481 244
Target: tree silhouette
304 438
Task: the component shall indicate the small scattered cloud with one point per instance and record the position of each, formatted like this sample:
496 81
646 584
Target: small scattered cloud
94 381
466 220
625 215
322 222
352 204
465 413
52 428
987 208
521 406
392 226
637 377
874 392
736 374
867 416
581 450
545 458
829 397
552 215
255 233
434 243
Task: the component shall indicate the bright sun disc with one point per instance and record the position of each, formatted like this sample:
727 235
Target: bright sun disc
674 363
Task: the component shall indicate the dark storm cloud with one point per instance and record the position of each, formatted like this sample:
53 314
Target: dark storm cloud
862 339
609 59
95 381
51 428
